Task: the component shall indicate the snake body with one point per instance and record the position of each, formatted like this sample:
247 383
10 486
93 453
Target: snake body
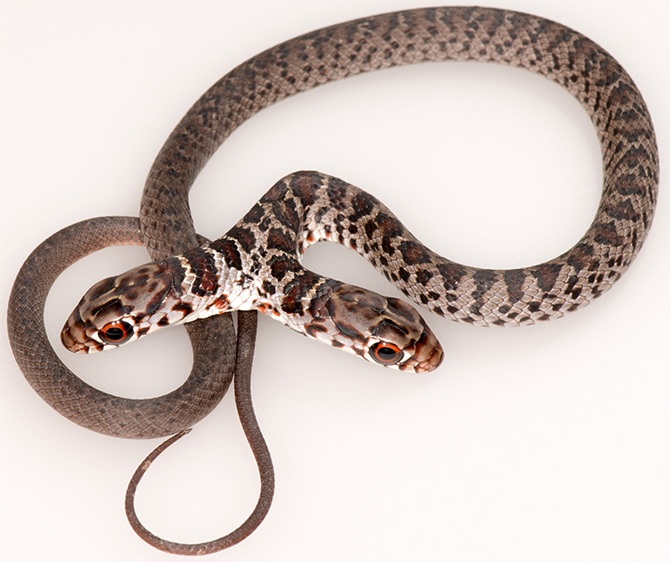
348 215
256 266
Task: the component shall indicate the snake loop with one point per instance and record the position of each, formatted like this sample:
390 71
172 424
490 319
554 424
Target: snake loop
68 394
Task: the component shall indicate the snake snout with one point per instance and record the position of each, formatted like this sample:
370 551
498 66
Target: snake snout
428 353
74 336
432 360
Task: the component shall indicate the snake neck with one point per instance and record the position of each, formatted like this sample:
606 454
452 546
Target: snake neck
256 264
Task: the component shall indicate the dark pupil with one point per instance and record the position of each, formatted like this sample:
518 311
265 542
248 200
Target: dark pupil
386 353
114 333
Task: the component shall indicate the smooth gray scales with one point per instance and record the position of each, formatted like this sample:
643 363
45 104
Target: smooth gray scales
479 296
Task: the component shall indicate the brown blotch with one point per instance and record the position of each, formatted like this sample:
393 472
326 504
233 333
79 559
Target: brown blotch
370 227
228 249
254 215
423 276
291 303
514 280
203 267
387 247
389 226
297 290
304 186
244 236
278 240
623 211
414 252
276 193
484 280
452 273
363 204
580 256
546 276
285 212
279 265
210 282
629 184
607 235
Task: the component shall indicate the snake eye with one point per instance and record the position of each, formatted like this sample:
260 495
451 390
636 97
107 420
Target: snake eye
116 333
386 353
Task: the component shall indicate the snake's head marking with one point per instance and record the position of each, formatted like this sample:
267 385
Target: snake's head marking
118 310
383 330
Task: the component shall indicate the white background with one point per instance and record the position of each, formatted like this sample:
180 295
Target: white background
547 443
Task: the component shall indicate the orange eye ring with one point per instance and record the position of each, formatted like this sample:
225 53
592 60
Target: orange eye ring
116 333
386 353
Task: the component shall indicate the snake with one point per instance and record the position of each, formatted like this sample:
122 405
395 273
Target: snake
256 265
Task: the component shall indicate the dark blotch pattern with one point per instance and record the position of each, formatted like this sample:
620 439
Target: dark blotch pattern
203 267
228 250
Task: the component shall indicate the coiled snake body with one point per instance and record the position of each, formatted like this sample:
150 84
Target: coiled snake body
256 264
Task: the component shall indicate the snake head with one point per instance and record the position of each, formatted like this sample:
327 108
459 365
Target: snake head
120 309
382 330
